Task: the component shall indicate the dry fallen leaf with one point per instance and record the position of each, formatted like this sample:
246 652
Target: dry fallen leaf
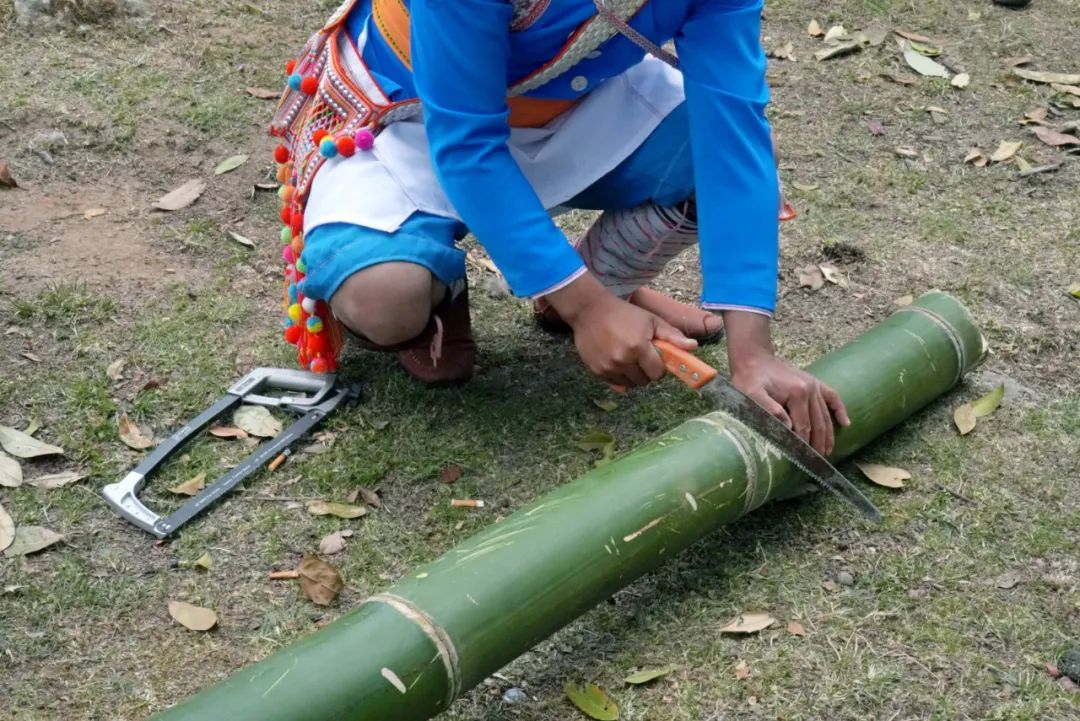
1055 139
31 357
257 421
1039 76
190 487
229 164
204 561
649 674
886 476
115 371
592 700
912 36
930 51
832 274
900 78
183 196
989 402
6 179
334 543
748 623
7 529
341 510
961 80
320 581
872 36
1022 165
1067 89
796 629
835 34
132 435
835 51
194 618
875 127
805 187
450 475
830 586
965 419
814 29
1005 151
56 480
369 497
242 240
904 300
742 671
784 52
23 445
810 276
905 151
228 432
11 474
1074 290
263 93
606 404
976 157
1021 60
922 64
94 212
31 539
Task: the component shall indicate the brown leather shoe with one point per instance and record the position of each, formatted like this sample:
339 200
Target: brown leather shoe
701 325
445 353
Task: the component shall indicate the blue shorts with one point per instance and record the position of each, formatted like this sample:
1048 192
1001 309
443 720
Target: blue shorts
659 171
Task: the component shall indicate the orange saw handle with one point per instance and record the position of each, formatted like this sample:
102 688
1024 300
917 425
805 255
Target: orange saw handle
682 364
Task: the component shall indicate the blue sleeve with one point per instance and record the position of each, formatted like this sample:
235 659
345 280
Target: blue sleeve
734 171
460 51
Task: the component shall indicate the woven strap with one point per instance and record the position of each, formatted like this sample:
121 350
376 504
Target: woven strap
634 36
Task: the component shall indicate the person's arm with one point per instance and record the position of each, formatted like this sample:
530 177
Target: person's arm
737 199
460 51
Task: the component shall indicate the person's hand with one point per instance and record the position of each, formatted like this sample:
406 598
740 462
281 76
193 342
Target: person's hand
802 402
613 337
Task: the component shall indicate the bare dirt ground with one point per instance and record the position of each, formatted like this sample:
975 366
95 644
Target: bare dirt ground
953 607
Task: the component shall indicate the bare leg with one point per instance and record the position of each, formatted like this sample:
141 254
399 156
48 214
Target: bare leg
388 303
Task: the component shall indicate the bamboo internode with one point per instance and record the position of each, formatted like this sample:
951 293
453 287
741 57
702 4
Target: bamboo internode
406 654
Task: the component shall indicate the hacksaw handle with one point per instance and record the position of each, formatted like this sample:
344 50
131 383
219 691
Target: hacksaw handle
684 365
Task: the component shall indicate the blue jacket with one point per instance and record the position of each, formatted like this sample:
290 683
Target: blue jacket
464 57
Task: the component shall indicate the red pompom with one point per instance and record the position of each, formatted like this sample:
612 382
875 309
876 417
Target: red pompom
281 154
309 85
317 343
290 66
318 135
319 365
292 334
286 215
346 146
297 223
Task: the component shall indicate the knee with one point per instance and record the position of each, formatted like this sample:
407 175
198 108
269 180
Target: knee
388 303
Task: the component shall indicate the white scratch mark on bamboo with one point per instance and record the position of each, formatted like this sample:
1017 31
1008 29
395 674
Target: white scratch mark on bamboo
608 549
473 555
394 680
551 504
651 524
691 500
615 545
281 677
472 600
922 344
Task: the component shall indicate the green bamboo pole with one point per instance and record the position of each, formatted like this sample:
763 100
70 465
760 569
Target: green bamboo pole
404 655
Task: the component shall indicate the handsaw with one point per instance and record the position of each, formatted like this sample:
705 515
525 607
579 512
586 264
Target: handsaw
700 376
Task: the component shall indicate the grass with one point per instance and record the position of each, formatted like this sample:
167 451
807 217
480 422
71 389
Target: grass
924 632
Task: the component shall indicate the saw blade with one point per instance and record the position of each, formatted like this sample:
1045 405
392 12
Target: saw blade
729 398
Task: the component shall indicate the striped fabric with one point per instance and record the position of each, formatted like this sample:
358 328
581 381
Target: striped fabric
626 249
